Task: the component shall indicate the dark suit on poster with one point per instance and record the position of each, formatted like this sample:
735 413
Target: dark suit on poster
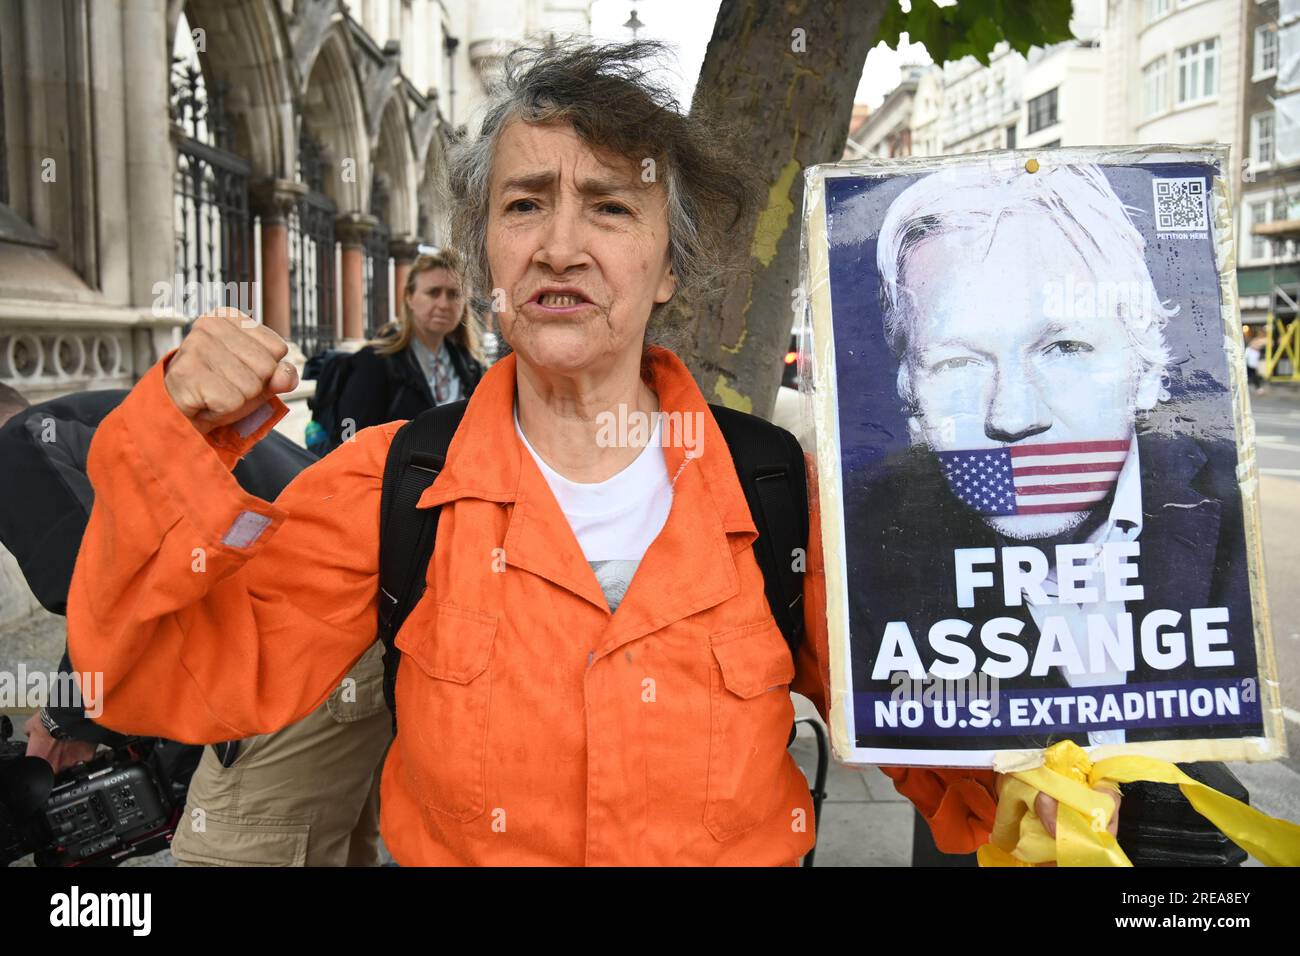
900 543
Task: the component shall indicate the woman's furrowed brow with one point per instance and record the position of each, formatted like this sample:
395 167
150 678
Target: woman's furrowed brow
529 182
607 185
592 186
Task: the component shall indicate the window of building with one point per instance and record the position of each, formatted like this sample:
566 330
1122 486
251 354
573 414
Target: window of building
213 222
1286 129
1011 136
1155 9
4 168
313 313
65 222
1042 111
1155 87
1288 58
1261 249
1198 71
1265 52
1258 244
1261 138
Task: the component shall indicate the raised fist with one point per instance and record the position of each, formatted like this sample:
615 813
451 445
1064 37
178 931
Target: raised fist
227 366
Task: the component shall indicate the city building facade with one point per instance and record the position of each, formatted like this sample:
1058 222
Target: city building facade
907 122
1061 90
1185 72
1172 71
982 104
1268 266
159 157
886 131
1052 97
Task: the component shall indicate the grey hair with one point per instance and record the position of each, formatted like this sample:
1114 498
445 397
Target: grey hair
974 199
605 93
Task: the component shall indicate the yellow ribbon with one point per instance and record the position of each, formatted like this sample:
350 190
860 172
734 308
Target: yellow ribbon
1020 839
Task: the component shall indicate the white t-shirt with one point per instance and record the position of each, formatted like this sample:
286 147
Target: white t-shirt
614 520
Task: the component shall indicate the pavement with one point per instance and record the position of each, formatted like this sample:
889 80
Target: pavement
1277 441
865 821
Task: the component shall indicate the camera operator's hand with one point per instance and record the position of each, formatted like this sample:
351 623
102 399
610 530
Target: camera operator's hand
226 367
59 754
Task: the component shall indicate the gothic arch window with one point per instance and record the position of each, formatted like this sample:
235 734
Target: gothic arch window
213 226
313 316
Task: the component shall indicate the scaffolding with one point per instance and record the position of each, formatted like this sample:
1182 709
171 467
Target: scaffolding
1281 358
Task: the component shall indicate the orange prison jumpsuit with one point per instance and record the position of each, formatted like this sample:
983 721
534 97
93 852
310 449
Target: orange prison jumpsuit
534 727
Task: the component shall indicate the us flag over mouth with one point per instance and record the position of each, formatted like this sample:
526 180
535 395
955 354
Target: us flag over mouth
1034 479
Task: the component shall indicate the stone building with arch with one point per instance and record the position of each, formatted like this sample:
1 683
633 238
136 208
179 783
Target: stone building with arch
160 157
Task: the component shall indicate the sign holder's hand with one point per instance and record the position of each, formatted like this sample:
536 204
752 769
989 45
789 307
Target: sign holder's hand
1083 806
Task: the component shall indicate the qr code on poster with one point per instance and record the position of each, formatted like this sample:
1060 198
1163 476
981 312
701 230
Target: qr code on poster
1180 205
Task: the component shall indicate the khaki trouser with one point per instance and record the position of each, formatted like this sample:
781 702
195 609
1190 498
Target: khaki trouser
307 795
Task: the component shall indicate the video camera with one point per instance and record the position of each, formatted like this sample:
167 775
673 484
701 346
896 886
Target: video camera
123 803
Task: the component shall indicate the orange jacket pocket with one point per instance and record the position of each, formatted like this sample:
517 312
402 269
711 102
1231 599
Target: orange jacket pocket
443 696
751 716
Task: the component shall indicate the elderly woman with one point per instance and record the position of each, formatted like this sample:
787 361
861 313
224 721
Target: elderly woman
593 674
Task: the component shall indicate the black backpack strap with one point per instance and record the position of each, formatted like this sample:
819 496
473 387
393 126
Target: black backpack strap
407 534
770 466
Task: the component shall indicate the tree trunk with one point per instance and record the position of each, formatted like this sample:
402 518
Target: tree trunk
786 73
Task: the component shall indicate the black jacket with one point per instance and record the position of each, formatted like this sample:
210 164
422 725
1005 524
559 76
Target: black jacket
386 388
900 568
46 497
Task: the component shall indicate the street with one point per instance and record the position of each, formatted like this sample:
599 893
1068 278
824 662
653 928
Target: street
1277 427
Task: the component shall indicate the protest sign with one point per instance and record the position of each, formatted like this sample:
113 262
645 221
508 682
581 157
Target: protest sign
1038 489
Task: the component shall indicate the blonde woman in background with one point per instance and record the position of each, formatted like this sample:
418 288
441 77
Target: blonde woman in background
431 357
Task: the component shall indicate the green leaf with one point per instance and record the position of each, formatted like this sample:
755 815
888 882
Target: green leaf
975 27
